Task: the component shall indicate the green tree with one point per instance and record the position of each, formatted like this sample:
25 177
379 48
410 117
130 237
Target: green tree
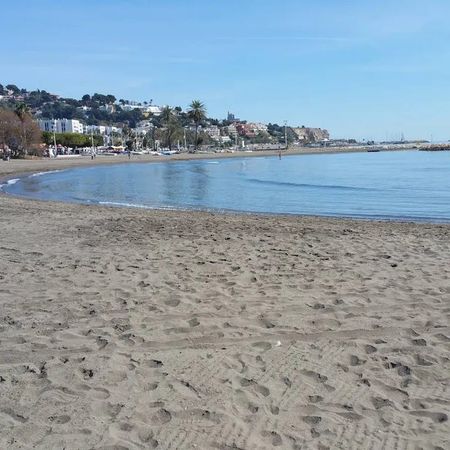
197 112
73 140
171 125
12 87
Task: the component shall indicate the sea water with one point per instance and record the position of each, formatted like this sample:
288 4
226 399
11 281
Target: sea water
408 185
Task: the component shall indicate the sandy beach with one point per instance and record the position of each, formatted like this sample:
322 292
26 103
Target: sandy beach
133 329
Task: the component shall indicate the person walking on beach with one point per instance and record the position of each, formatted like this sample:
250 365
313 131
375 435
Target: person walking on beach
129 154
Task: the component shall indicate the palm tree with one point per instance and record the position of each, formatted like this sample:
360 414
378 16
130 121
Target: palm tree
197 112
22 112
168 119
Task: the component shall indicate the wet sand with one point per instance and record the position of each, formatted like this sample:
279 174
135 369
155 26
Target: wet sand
131 329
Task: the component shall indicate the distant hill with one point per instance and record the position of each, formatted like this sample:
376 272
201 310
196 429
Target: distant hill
93 110
106 109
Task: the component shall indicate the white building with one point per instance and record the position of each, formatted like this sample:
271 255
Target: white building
108 108
103 130
144 127
258 127
225 139
155 110
232 130
61 125
213 132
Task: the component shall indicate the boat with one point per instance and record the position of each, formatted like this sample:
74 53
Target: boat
169 152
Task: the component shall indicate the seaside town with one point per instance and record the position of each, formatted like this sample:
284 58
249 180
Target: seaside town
102 123
39 123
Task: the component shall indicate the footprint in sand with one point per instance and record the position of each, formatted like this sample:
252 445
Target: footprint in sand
194 322
379 402
147 437
156 405
153 363
354 417
161 417
245 382
312 420
404 371
274 410
266 323
356 361
173 302
370 349
262 345
316 376
274 436
100 393
241 400
436 417
201 415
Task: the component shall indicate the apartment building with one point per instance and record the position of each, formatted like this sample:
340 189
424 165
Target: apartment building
61 125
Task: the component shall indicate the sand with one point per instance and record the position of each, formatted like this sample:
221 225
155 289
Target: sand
131 329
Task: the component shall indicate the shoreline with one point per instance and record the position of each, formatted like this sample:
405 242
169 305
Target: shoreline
24 166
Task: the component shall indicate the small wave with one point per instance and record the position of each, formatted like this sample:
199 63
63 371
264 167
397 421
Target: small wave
127 205
39 174
307 185
11 182
132 205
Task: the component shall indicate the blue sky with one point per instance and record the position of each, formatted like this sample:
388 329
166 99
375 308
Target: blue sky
360 68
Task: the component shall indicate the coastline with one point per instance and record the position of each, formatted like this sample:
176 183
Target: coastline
26 166
171 329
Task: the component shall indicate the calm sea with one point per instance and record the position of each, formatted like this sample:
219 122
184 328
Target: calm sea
393 185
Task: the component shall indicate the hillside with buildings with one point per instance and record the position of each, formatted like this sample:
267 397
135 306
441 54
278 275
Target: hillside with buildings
139 125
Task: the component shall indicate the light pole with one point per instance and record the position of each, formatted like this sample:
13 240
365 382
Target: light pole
285 135
54 138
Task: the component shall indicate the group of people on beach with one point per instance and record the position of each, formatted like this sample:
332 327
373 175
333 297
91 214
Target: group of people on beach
5 152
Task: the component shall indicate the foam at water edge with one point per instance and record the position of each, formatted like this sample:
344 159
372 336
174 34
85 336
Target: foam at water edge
9 182
38 174
136 205
129 205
